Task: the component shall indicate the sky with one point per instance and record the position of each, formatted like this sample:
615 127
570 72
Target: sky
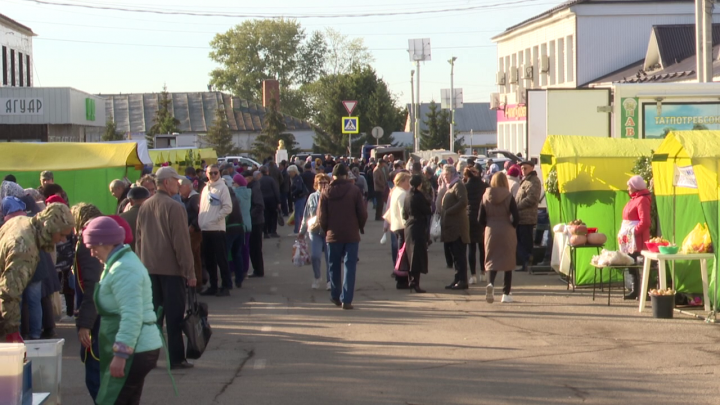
109 51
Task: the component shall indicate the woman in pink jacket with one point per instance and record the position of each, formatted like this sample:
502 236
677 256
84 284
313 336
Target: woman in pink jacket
635 228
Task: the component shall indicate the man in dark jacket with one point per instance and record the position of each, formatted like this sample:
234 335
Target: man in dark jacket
285 199
308 177
257 216
271 193
137 197
527 199
342 215
191 200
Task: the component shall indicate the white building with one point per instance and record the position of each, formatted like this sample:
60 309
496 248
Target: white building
569 47
17 56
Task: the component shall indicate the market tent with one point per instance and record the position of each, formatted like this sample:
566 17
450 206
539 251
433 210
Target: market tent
180 157
592 175
142 150
84 170
685 203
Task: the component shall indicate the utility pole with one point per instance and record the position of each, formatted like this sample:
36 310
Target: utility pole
452 103
419 51
417 109
412 109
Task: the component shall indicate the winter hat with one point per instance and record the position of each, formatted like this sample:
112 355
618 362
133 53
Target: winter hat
513 171
340 170
637 182
55 199
103 231
11 205
138 193
125 225
240 180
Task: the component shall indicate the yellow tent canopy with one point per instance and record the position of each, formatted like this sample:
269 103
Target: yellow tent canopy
59 156
176 155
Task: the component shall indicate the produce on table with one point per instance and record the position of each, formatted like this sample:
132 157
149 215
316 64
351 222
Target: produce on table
578 240
577 227
596 238
660 241
668 291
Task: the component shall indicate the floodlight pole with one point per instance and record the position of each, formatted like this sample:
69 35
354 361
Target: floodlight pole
452 103
412 109
417 109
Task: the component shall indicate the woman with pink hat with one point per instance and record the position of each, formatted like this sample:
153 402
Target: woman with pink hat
635 227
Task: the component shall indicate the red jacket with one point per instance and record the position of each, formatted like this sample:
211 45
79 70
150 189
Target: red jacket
638 209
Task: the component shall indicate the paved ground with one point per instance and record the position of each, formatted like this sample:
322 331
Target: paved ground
276 341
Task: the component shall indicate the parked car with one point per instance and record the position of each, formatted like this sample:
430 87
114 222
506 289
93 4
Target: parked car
304 156
238 160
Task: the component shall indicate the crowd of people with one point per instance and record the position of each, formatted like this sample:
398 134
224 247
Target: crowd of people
205 230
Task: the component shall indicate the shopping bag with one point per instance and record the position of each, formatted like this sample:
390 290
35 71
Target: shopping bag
313 224
435 229
698 240
291 219
57 304
384 238
402 265
196 326
300 255
281 220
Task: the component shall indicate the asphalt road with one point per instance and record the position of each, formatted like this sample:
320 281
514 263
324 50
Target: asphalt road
277 341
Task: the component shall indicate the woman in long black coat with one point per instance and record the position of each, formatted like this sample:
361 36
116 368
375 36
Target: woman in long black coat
475 189
416 232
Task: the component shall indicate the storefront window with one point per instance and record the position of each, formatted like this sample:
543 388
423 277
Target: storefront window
661 119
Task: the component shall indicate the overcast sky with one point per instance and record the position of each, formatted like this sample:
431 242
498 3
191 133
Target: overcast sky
110 51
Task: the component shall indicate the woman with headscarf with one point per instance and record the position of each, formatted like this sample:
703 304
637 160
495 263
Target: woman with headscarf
454 225
475 190
129 336
417 215
635 227
10 188
311 226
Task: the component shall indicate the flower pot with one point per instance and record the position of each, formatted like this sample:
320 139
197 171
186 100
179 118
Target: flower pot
662 306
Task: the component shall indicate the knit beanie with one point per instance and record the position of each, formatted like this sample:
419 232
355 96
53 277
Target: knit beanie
55 199
125 226
103 231
240 180
513 171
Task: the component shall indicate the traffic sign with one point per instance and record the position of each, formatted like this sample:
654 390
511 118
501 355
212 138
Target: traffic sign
377 132
350 125
350 106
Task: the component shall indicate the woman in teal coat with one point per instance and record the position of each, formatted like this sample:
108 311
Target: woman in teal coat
130 340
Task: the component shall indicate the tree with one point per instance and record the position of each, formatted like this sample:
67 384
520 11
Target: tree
345 54
164 122
376 107
437 134
273 131
111 133
219 136
311 60
700 127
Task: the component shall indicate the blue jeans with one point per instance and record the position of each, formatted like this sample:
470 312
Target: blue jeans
394 248
299 210
347 254
317 244
32 295
234 243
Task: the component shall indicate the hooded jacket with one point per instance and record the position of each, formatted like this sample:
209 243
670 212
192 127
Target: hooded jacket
212 214
528 199
639 209
342 212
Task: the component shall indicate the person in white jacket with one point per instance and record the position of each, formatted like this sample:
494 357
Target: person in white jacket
215 205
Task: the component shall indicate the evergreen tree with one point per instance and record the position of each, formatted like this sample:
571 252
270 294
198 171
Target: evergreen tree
437 134
219 136
164 122
111 133
273 131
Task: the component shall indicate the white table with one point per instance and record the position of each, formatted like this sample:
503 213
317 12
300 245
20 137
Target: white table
661 259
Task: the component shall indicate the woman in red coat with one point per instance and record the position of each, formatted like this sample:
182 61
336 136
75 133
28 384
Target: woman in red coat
635 228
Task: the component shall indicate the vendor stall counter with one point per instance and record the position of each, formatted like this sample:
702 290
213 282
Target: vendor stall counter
662 258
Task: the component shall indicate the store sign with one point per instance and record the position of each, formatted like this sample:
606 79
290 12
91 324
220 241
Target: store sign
667 117
512 112
21 106
90 109
685 177
629 116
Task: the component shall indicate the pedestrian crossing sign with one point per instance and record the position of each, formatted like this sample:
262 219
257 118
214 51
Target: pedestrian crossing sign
350 125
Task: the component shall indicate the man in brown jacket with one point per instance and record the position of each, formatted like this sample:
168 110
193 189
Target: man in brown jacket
527 199
381 188
342 214
163 245
455 224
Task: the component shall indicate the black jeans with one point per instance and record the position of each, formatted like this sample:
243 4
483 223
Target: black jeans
141 366
459 252
271 216
215 254
170 292
448 255
524 245
256 254
473 248
507 281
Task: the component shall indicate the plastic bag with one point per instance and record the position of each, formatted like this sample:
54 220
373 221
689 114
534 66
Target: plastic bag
435 228
300 255
698 240
291 219
383 240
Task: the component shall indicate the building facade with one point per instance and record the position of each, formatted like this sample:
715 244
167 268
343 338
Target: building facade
16 53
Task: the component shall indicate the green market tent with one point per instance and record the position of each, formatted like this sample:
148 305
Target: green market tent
592 176
681 208
84 170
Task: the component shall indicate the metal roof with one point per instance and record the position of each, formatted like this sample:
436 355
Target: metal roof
677 42
476 116
195 111
14 24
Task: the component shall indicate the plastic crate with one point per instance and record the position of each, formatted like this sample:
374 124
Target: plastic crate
11 373
46 356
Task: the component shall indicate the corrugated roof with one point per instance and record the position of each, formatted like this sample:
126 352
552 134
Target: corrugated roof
14 24
677 42
476 116
195 111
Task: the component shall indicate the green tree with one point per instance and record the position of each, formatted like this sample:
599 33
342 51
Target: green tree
111 133
273 131
164 122
437 134
667 130
219 136
700 127
311 62
345 54
376 107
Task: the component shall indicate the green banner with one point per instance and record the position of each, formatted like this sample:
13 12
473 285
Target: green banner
629 117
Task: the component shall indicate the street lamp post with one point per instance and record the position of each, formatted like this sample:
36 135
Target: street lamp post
452 104
412 109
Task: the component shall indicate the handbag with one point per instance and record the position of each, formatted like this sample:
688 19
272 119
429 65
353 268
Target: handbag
313 224
402 265
281 220
196 326
435 228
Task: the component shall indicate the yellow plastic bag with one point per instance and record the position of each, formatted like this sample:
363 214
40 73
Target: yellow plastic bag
698 240
291 219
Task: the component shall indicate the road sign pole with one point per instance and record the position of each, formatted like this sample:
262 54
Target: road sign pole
417 110
452 105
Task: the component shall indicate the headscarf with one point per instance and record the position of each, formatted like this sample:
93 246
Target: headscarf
34 193
83 213
53 219
637 182
8 188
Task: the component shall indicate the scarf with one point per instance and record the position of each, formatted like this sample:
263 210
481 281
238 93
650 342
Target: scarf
53 219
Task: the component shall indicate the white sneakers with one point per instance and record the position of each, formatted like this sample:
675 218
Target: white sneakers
481 277
472 280
329 286
490 294
316 284
507 298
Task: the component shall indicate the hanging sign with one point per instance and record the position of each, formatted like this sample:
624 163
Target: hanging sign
629 117
685 177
